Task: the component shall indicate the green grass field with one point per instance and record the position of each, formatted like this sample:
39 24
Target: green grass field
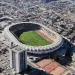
33 39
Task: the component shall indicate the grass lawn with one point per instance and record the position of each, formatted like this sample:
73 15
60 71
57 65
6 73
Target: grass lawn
33 38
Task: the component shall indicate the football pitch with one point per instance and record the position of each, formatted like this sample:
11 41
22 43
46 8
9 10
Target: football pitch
33 38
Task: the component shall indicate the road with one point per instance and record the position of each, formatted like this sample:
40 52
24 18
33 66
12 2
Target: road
72 70
32 64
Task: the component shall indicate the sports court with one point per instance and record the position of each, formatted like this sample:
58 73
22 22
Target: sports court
51 66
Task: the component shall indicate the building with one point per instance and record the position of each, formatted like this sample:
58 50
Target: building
18 59
12 32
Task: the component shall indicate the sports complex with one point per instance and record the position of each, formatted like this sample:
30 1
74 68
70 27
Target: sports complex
28 40
35 38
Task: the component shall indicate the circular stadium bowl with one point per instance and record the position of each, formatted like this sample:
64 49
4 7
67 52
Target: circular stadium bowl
12 32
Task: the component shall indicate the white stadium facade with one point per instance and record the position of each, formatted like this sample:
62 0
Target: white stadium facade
18 51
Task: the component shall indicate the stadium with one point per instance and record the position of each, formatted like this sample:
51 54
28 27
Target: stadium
35 38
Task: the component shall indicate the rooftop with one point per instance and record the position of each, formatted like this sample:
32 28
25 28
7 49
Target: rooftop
51 66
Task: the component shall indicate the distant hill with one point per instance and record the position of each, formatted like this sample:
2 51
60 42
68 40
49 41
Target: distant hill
11 1
46 1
